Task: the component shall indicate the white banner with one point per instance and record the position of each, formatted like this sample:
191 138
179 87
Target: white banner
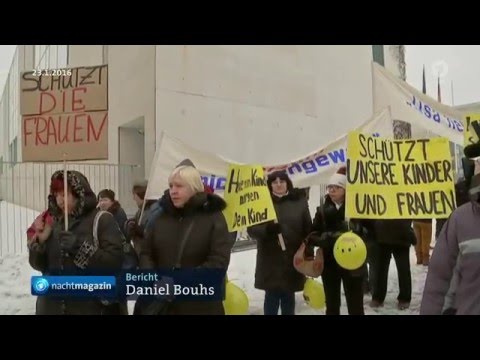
310 170
410 105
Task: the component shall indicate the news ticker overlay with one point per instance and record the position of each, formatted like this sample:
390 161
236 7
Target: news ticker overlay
179 284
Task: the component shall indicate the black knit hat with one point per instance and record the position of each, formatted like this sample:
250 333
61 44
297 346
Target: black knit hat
282 175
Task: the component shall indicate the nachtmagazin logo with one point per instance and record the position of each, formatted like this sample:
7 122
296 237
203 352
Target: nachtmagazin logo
86 286
40 285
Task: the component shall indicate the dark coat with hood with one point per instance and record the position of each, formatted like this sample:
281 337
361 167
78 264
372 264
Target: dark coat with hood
330 222
136 233
274 268
119 215
105 260
208 245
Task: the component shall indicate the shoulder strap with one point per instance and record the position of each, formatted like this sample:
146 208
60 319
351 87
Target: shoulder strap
183 241
95 225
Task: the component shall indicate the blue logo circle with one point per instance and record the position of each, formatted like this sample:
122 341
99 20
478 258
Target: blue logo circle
41 285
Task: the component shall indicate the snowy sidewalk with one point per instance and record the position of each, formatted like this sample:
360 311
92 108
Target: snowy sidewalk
15 273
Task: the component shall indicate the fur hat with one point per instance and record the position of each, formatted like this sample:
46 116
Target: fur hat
339 178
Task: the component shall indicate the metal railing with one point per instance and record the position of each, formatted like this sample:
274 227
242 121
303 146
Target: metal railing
24 188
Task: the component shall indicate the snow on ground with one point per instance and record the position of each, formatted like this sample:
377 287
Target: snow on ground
15 298
15 273
242 270
14 221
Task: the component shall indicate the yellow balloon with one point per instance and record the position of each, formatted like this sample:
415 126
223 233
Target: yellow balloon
314 294
236 301
350 251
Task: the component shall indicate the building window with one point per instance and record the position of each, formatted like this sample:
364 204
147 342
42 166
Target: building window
378 55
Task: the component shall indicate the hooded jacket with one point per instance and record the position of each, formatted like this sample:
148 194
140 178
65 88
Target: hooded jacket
274 267
106 259
208 245
155 207
452 283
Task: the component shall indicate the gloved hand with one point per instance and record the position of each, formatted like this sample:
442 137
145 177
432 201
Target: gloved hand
356 227
138 231
328 238
69 243
130 227
274 228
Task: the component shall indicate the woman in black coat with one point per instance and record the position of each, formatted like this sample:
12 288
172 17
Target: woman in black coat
107 202
274 269
74 252
329 223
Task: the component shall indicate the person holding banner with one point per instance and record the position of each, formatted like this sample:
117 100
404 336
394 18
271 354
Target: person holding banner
329 224
74 251
190 232
274 271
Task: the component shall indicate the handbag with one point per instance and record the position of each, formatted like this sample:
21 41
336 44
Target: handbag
308 266
161 307
131 260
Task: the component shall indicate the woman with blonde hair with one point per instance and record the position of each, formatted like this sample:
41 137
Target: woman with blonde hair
192 217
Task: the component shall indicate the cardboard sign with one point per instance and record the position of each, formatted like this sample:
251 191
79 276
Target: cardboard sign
65 114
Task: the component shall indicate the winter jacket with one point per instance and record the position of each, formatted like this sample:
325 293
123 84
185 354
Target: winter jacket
330 222
274 267
461 196
136 234
397 232
119 215
105 260
452 280
208 245
156 208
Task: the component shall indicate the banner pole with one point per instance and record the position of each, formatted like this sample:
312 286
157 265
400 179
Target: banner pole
65 189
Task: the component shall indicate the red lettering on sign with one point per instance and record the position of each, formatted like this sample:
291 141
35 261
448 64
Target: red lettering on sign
80 101
39 130
91 128
44 96
76 122
26 130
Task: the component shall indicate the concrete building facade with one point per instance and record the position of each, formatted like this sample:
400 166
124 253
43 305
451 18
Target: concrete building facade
263 104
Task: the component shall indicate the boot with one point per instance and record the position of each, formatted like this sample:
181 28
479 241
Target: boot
375 304
403 305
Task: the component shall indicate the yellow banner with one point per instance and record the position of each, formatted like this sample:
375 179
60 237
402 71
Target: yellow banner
247 196
398 179
469 133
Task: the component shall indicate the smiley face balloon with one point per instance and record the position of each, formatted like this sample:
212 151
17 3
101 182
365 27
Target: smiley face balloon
350 251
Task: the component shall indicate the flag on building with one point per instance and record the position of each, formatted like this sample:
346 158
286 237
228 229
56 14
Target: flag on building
439 91
424 83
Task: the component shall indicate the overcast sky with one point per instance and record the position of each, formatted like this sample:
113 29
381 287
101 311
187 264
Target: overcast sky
459 63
